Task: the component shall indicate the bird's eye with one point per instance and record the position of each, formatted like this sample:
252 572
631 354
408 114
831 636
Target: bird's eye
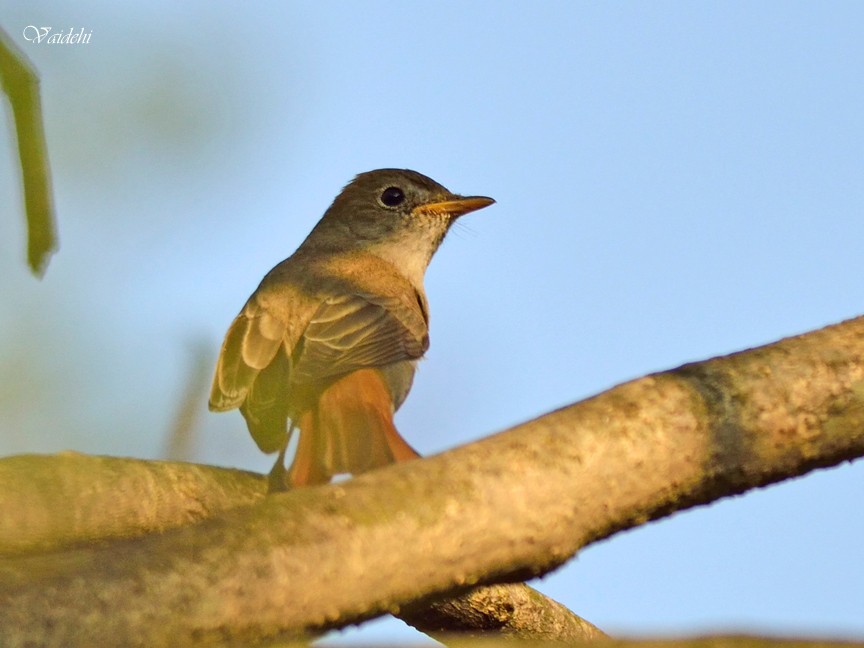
392 197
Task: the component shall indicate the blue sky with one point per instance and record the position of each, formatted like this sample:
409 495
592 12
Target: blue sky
674 180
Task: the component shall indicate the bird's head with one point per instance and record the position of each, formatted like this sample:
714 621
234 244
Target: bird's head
398 214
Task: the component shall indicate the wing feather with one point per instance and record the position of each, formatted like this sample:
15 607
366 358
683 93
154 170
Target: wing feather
250 345
350 332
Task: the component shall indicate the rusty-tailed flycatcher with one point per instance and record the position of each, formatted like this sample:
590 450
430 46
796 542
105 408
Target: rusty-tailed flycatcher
327 344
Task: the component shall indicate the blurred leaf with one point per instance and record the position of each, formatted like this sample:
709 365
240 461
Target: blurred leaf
181 436
21 84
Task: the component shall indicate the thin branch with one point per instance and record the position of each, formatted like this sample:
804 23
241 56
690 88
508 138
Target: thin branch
509 507
733 641
510 611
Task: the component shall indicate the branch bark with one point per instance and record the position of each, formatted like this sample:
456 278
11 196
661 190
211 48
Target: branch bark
54 503
524 501
71 500
512 611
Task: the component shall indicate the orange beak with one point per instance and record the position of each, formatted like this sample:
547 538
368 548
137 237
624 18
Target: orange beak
453 207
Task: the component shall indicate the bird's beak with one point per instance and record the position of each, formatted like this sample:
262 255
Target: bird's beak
453 207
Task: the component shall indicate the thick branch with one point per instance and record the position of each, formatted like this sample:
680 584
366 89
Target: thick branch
71 499
524 501
55 503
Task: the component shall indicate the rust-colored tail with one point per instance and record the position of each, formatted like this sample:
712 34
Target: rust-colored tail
350 430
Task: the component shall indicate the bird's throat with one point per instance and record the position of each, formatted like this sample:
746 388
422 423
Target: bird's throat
409 254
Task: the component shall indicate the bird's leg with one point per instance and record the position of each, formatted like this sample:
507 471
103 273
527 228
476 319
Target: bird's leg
276 481
306 468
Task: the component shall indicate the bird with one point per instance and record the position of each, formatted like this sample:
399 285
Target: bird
328 343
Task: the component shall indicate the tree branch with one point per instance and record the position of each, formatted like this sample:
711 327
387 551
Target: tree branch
67 501
512 611
524 501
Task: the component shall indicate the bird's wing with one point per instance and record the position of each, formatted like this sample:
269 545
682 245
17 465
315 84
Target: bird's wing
250 346
354 331
263 371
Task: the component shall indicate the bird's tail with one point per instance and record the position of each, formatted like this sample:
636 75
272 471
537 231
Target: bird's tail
350 430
